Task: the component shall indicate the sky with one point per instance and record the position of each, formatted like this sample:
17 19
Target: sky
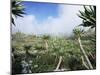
48 18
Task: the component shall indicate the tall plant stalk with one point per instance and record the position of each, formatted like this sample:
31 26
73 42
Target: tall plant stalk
84 53
46 44
45 38
59 63
78 32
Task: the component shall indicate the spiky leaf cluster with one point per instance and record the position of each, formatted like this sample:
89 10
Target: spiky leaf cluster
88 16
17 9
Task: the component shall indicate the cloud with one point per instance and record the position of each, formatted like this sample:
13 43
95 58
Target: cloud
63 24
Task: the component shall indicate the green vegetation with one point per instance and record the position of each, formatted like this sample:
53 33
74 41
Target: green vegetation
88 16
17 10
61 54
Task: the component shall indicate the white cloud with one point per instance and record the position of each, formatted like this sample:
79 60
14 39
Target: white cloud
64 23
